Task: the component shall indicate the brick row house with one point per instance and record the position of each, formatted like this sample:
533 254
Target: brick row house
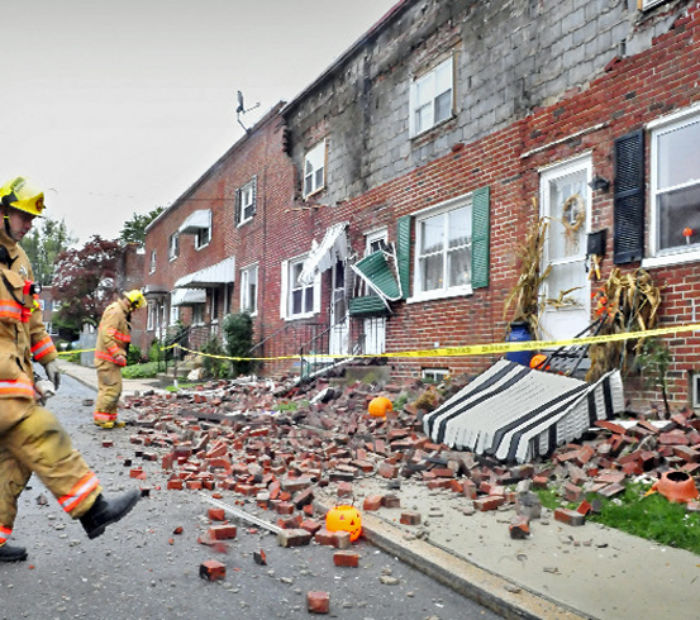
382 209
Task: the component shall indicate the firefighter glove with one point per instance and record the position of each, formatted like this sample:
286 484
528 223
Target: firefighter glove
53 373
45 389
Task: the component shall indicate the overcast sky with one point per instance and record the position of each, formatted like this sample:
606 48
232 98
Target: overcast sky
118 106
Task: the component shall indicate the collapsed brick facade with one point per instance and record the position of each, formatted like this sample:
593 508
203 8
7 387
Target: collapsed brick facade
534 88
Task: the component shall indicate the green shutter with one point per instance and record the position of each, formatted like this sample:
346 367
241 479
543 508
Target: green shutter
480 237
403 253
374 269
367 306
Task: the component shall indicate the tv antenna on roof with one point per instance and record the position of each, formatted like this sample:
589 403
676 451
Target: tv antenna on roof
241 109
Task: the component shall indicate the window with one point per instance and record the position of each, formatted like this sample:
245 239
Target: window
245 202
675 189
315 169
214 305
153 261
198 314
298 300
431 98
151 321
173 246
202 238
695 377
249 290
443 251
174 314
643 5
434 375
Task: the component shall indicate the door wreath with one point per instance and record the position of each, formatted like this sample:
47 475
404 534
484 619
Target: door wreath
573 215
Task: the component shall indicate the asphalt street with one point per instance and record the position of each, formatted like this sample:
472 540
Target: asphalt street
141 569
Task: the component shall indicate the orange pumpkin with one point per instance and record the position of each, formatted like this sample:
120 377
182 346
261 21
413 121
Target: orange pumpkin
379 406
345 519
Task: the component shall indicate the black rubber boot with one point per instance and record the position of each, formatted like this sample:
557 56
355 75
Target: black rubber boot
10 553
104 512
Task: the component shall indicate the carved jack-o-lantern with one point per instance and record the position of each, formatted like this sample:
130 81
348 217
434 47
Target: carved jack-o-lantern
379 406
346 519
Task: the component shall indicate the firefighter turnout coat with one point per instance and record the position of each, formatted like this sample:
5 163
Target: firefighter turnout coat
31 438
113 338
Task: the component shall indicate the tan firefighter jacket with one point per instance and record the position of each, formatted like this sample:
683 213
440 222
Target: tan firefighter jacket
22 333
113 334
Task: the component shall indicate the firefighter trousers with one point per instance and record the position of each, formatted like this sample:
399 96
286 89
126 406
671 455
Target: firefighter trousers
38 444
109 389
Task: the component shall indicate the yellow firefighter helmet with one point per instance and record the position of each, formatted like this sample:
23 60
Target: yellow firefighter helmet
136 298
19 194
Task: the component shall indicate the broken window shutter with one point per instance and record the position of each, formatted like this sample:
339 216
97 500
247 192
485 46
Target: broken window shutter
628 238
480 237
403 252
238 206
255 195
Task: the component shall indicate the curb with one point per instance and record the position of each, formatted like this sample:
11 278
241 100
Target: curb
462 576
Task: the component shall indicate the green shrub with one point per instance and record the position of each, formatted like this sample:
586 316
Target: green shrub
148 370
133 355
213 366
154 352
238 329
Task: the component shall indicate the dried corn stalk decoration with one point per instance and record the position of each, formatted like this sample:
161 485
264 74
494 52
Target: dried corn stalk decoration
524 297
625 302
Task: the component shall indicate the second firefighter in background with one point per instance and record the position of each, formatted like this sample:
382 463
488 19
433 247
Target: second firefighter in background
113 338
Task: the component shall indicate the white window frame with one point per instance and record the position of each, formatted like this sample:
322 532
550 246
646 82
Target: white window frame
286 291
173 246
419 293
247 275
428 81
659 127
198 243
247 195
645 5
315 161
153 262
174 314
150 320
435 375
214 297
197 314
695 378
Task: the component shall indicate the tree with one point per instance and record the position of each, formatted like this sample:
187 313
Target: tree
134 230
86 280
43 244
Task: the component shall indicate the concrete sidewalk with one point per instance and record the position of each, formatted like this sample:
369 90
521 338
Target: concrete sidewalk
560 571
88 377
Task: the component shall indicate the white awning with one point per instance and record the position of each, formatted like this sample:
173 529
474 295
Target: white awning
324 255
188 296
221 273
195 221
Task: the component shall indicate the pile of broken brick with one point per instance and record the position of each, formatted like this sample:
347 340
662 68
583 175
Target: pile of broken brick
272 446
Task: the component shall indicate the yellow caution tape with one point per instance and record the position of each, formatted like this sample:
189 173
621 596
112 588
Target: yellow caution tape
75 351
474 349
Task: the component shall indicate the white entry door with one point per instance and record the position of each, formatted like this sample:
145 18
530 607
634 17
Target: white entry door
338 338
565 199
374 341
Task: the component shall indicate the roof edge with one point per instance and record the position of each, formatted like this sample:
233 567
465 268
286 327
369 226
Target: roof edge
273 112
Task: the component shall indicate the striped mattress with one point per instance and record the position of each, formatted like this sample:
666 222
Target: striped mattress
515 413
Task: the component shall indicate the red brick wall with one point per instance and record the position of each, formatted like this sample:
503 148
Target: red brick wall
630 93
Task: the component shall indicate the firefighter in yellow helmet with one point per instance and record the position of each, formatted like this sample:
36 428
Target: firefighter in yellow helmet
31 438
113 338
